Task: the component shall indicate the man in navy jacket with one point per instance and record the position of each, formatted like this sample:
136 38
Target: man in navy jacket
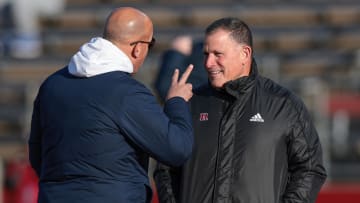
94 126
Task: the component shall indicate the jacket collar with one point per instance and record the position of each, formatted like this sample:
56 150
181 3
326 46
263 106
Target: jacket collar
243 84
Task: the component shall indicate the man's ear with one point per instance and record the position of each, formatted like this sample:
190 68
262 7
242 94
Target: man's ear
247 51
136 51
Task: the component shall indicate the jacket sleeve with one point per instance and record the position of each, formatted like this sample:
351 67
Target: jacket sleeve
307 173
34 142
165 134
166 183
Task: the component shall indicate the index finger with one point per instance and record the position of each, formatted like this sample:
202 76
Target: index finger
186 74
175 77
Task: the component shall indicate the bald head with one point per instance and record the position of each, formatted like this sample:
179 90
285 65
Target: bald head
126 24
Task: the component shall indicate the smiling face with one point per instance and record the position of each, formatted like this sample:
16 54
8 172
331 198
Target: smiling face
225 59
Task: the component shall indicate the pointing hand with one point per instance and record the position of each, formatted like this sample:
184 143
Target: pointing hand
179 88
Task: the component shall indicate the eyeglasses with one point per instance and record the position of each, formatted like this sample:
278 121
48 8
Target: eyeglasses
150 44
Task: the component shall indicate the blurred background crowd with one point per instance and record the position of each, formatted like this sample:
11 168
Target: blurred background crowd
310 46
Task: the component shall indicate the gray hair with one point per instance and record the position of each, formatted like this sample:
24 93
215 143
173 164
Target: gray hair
238 29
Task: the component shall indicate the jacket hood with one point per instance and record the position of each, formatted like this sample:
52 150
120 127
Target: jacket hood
99 56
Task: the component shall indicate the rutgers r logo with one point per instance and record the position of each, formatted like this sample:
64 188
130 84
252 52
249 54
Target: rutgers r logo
204 116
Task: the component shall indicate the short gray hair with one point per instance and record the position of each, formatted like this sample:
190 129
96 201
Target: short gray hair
238 29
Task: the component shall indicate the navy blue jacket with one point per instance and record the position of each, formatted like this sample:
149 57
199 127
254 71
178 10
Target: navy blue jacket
91 137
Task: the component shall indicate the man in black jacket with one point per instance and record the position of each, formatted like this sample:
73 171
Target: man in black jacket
254 140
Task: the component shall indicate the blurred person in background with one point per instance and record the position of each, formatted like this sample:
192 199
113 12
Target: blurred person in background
94 126
21 182
184 50
25 40
254 139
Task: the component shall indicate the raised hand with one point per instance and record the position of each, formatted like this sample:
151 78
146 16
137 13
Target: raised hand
179 88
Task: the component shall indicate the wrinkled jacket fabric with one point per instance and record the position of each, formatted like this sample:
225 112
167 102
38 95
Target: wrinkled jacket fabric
91 137
254 143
